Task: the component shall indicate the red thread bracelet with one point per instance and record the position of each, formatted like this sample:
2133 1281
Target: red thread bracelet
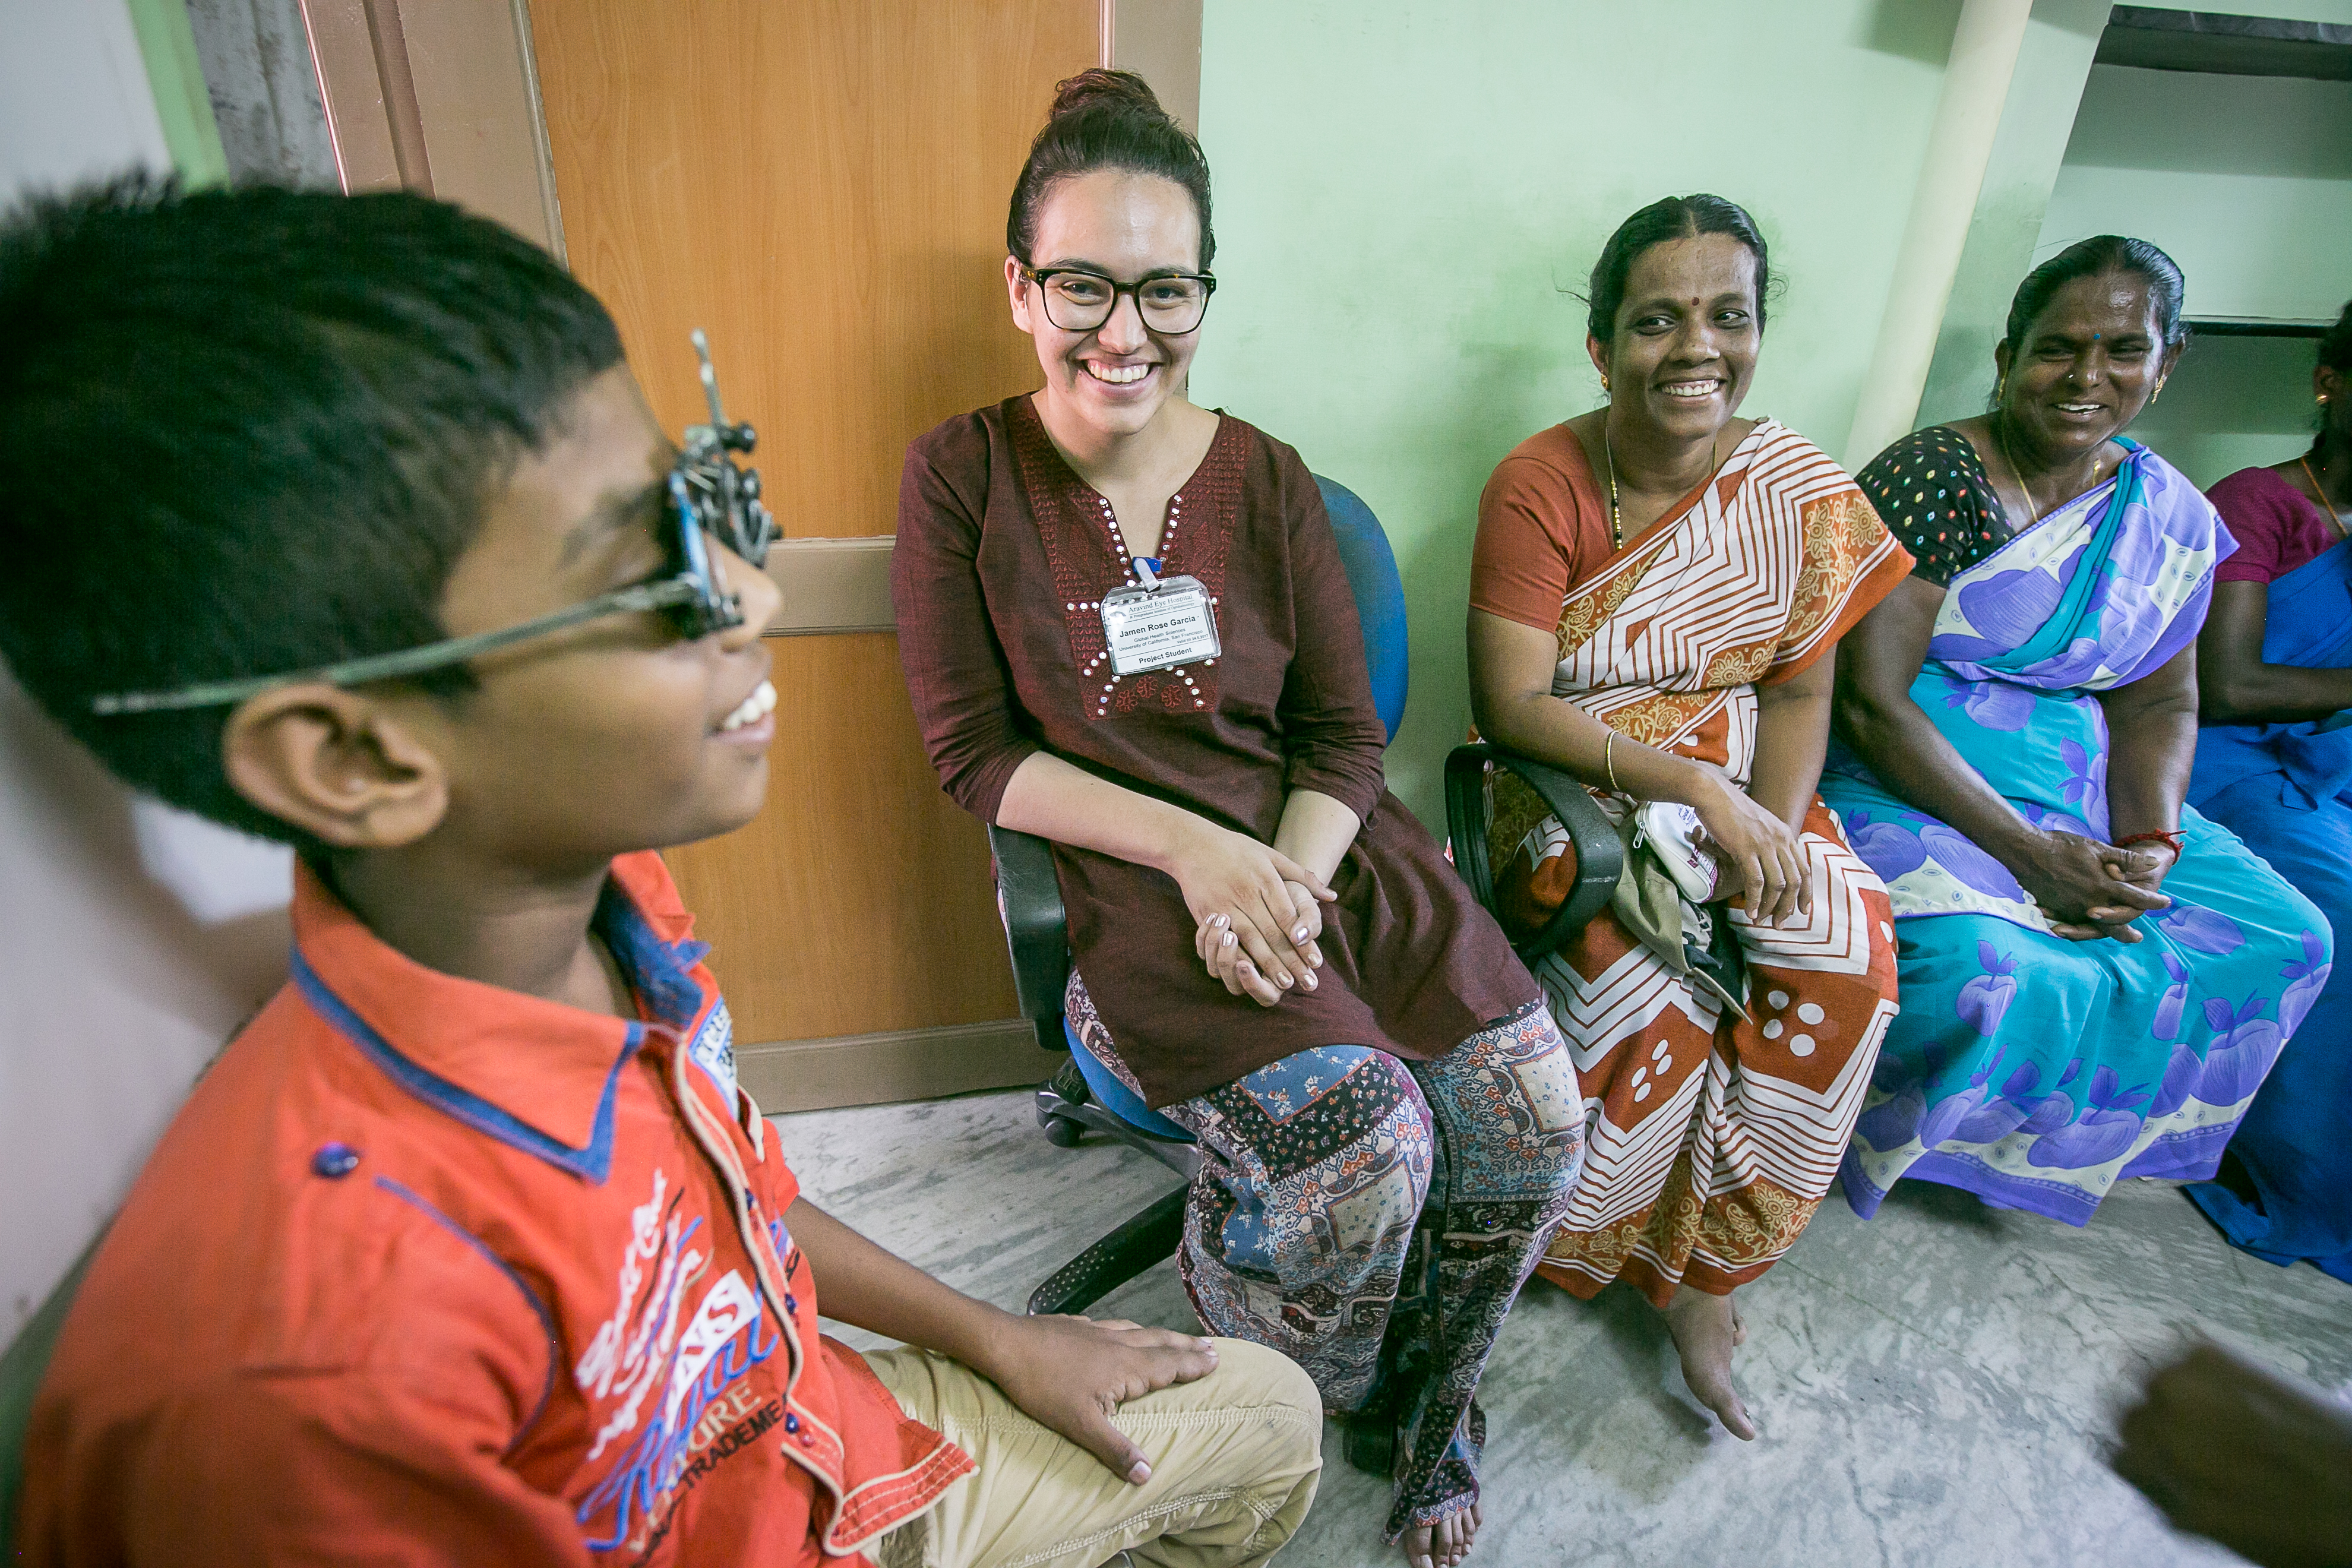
2174 838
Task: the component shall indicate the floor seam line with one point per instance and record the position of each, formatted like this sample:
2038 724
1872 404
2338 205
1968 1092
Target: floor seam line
1829 1284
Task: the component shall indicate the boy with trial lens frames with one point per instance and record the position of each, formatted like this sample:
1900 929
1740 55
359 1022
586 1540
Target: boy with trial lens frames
341 521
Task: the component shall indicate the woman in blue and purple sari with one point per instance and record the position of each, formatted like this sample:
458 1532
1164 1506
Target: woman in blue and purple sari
2095 979
2275 764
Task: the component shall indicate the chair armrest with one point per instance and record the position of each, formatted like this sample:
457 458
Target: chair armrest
1029 895
1600 854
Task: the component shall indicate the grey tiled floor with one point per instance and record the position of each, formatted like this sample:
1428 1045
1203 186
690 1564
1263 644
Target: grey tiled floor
1932 1387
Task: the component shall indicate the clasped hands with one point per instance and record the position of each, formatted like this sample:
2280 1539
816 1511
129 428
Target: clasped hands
1762 858
1256 913
2089 889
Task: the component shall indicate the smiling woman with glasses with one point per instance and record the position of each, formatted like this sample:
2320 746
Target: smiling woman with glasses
1127 629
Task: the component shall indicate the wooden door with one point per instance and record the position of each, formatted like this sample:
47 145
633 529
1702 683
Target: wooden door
822 183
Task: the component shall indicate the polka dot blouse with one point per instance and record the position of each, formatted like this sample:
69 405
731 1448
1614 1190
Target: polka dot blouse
1932 491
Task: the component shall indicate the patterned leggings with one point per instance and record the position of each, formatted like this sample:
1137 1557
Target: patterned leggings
1299 1231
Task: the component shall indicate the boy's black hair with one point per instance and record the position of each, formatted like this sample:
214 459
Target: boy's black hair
252 431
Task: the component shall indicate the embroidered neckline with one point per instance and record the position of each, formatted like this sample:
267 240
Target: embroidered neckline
1068 510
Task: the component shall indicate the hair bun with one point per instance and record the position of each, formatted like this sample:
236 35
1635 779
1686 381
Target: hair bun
1098 87
1106 120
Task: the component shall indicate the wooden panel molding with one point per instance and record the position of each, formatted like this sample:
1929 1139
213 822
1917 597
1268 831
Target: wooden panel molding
1160 40
477 109
903 1064
832 585
351 85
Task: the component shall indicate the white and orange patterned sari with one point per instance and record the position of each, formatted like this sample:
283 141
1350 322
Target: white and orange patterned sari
1715 1137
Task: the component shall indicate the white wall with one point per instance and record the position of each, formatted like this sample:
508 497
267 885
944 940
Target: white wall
133 938
2247 183
73 92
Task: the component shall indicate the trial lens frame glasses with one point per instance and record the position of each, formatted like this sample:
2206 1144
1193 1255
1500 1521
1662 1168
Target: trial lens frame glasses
1046 292
709 493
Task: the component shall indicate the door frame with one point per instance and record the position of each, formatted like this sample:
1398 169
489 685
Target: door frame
458 116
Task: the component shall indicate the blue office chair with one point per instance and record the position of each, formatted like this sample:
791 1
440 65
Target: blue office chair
1084 1095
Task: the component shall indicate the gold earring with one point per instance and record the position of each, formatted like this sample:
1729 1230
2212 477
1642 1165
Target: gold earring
2000 387
1604 385
2157 393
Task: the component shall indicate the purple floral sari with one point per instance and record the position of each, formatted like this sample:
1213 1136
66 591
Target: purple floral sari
2033 1071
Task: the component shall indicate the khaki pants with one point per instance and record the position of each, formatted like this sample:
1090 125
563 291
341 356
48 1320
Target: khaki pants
1235 1458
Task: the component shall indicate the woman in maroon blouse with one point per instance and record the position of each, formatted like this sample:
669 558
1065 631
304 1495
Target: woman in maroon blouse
2274 766
1262 939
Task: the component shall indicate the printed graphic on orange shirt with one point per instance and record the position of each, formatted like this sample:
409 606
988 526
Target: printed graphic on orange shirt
706 1411
630 1349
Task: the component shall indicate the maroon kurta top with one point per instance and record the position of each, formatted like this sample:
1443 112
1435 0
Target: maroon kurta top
1003 556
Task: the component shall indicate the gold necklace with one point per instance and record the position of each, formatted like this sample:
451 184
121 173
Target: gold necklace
2326 506
1609 453
2033 513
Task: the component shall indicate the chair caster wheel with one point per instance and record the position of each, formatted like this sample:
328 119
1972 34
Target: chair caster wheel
1063 1132
1371 1441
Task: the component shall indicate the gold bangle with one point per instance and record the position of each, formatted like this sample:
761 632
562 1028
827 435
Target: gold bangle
1609 761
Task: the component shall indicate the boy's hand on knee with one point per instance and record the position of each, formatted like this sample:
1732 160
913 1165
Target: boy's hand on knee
1072 1373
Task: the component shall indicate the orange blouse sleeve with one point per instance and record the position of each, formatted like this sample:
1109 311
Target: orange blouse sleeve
1533 519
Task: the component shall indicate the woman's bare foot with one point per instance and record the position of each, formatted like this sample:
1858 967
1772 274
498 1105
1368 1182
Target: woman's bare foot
1706 1329
1444 1543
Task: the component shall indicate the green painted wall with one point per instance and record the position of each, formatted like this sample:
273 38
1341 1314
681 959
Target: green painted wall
167 42
2232 403
2337 11
2027 152
2246 181
1406 193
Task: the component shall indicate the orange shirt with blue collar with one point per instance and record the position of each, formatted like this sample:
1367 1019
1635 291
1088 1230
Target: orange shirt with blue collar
427 1271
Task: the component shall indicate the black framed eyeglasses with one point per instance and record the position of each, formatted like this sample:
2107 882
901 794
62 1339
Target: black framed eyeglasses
710 494
1079 301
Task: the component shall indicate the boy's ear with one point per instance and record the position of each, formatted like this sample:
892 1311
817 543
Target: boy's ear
340 766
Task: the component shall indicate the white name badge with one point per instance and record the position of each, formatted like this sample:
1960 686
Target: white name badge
1149 629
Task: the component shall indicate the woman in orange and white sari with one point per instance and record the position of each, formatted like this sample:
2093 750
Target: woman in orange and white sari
1657 593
